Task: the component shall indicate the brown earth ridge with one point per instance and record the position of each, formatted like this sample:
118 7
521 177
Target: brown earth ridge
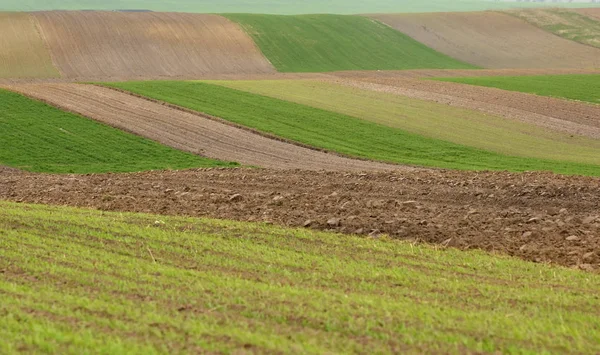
540 217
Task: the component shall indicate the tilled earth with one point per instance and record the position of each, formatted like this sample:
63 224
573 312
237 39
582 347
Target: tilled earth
540 217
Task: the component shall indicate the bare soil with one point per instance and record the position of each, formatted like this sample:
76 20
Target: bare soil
493 40
189 131
89 44
591 12
577 118
535 216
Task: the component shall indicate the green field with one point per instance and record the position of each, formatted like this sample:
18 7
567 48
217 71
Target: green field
322 43
40 138
82 281
564 23
457 125
338 132
574 87
274 6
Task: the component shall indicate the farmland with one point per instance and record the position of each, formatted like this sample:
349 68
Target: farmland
568 24
493 40
320 43
258 176
156 290
457 125
22 51
337 132
573 87
40 138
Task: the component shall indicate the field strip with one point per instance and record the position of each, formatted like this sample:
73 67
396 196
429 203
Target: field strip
535 216
187 131
493 40
87 44
418 90
579 113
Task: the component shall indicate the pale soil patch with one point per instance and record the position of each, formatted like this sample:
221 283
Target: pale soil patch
593 12
22 50
558 115
196 133
129 45
493 40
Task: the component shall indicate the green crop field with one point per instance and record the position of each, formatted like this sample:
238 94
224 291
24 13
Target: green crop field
274 6
321 43
461 126
337 132
40 138
83 281
574 87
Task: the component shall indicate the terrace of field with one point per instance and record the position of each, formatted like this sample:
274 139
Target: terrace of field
391 107
93 44
188 131
493 40
37 137
23 53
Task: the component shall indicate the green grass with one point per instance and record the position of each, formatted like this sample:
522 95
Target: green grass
574 87
338 132
452 124
274 6
82 281
40 138
322 43
564 23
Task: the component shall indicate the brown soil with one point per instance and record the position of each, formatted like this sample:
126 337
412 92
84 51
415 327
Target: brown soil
493 40
592 12
185 130
535 216
571 117
89 44
22 50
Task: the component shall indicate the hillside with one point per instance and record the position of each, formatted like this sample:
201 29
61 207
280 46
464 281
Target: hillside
22 50
321 43
76 280
92 44
493 40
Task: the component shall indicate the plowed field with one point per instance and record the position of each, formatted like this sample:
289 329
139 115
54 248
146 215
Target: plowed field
538 217
117 44
22 50
188 131
593 12
494 40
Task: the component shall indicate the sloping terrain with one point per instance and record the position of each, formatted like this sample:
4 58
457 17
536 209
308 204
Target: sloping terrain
90 281
493 40
436 120
321 43
22 50
565 23
40 138
187 131
535 216
592 12
93 44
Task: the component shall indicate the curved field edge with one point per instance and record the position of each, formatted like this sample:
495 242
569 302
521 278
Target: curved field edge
83 280
583 87
325 43
23 52
430 119
569 24
336 132
40 138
